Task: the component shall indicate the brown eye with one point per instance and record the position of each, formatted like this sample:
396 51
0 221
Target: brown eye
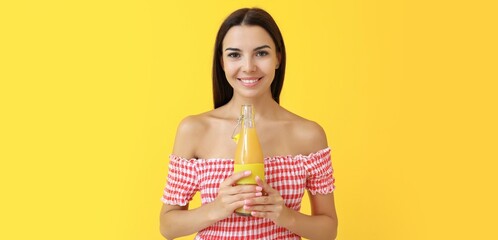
234 55
262 53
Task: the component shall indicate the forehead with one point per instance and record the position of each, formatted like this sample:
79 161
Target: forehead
244 36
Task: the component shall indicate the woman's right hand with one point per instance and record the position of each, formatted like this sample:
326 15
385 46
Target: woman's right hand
231 196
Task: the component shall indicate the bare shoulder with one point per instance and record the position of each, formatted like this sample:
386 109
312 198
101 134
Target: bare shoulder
192 124
187 135
308 135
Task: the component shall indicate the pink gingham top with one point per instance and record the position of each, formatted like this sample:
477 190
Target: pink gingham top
290 175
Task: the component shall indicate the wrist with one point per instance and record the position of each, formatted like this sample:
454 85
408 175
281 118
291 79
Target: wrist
287 219
210 212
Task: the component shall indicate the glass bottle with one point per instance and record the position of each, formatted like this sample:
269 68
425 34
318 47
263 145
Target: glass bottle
248 155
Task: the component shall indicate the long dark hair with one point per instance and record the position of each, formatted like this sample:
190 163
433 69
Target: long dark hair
222 91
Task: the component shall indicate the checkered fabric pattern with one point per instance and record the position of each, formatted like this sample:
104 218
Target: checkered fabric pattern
290 175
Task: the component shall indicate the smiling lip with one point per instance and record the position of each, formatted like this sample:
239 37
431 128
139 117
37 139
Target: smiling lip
249 81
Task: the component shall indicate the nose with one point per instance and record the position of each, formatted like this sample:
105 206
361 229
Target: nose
249 65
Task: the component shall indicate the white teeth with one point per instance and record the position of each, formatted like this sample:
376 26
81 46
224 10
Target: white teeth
249 81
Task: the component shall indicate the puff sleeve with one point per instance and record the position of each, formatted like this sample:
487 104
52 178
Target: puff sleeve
319 172
182 183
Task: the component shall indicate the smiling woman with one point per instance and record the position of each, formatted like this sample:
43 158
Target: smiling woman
248 69
249 60
260 20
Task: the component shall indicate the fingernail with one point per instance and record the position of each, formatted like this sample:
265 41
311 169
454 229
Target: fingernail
259 194
258 188
246 207
247 173
246 202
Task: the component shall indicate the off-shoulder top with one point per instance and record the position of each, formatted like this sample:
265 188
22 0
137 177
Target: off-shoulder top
290 175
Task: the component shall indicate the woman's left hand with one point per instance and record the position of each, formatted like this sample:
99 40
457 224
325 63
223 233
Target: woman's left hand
271 205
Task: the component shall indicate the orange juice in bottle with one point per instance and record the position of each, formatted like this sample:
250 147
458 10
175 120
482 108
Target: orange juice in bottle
248 155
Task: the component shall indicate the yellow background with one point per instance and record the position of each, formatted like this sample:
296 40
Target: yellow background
91 93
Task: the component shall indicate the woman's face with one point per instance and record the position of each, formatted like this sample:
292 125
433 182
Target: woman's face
249 59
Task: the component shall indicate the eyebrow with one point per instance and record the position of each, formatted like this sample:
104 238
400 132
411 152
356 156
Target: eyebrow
256 49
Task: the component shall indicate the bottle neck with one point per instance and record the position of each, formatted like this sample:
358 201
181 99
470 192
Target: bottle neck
247 115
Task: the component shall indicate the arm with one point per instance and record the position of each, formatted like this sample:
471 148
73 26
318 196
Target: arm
173 218
176 221
322 224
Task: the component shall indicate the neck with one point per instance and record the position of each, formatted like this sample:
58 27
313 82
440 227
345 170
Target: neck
264 106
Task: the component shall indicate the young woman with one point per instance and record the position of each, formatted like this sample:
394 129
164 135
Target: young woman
249 68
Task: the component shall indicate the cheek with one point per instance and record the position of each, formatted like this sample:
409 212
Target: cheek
269 64
268 67
230 68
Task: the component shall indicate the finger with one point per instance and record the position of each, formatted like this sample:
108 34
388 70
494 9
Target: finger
260 214
240 197
259 201
266 188
234 178
259 208
239 189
